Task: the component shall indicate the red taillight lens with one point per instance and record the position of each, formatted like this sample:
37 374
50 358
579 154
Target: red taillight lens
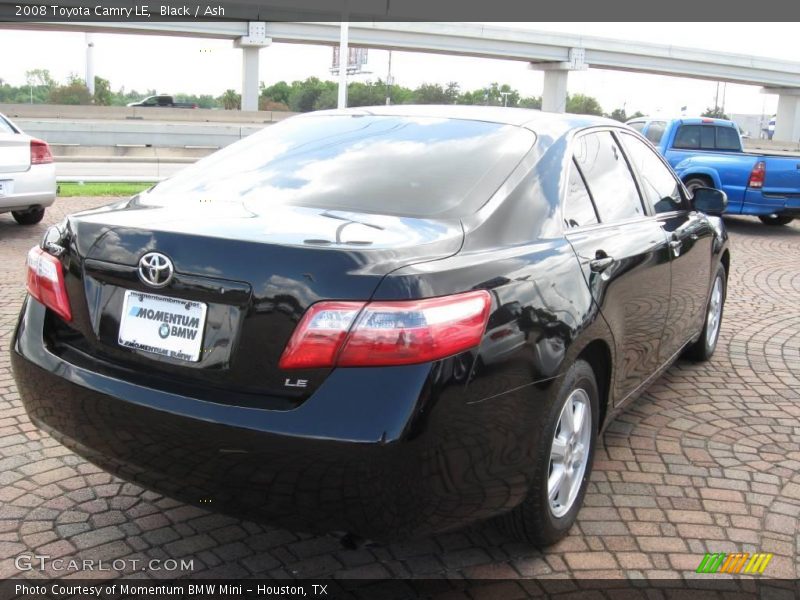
757 175
387 333
46 282
319 335
40 153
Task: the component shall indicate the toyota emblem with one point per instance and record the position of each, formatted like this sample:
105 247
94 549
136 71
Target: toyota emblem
155 269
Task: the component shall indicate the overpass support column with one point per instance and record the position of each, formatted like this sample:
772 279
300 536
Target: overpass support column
787 119
554 95
251 45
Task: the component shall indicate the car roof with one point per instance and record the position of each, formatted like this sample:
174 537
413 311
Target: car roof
521 117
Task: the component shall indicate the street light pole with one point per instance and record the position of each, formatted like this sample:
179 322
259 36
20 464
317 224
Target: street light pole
343 62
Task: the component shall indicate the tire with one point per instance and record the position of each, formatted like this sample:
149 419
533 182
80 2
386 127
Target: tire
537 520
697 182
28 217
703 348
775 221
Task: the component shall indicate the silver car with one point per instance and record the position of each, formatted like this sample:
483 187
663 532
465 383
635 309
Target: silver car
27 174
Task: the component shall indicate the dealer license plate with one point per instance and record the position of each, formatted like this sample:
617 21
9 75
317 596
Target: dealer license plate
165 326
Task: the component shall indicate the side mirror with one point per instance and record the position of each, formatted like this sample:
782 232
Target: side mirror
710 201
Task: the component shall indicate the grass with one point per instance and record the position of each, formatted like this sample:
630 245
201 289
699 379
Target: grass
71 189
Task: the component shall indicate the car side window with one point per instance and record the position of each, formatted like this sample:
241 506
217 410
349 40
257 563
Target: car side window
659 186
608 177
578 206
656 131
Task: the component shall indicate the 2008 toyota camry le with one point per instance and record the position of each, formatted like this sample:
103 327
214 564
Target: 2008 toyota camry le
384 321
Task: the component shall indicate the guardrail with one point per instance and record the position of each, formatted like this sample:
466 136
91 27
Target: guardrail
133 113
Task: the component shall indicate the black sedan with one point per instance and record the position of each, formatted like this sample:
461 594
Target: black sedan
388 322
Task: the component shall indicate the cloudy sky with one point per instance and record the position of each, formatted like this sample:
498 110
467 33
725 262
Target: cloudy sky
172 64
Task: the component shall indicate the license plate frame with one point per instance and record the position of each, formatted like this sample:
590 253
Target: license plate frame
162 325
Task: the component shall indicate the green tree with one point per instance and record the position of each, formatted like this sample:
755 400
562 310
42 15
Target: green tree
431 93
714 113
366 94
327 99
304 94
231 100
277 92
531 102
74 92
102 91
583 105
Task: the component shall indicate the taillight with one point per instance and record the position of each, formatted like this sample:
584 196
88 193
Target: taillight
46 282
757 175
40 153
358 334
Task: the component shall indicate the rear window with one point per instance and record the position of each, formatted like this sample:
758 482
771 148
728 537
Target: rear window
394 165
637 125
707 137
727 138
5 126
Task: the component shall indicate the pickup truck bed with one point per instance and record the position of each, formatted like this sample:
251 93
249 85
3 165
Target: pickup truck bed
708 152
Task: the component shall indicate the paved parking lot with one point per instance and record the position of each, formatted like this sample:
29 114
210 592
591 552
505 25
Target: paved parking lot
707 461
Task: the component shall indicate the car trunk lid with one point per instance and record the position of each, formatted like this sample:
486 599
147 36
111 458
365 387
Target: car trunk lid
15 152
253 275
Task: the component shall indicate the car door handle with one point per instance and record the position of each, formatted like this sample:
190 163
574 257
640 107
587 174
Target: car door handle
598 265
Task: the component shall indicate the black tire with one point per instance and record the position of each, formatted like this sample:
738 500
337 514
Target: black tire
703 348
776 220
533 520
28 217
697 182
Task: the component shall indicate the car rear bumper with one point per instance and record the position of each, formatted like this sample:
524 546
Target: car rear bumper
757 203
388 459
34 187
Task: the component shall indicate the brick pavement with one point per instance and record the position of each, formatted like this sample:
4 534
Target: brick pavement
707 461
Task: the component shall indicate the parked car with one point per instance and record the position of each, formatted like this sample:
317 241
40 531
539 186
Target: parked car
27 174
386 321
708 152
163 101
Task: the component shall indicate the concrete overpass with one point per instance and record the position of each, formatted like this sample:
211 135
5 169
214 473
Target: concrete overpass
555 53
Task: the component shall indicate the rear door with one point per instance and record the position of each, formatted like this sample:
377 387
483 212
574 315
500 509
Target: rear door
690 240
623 252
15 153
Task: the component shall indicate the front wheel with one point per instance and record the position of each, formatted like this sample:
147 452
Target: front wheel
703 348
565 437
775 220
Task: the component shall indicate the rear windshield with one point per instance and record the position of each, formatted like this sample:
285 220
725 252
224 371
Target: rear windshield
707 137
392 165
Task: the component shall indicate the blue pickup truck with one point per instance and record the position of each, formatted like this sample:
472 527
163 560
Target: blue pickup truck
708 153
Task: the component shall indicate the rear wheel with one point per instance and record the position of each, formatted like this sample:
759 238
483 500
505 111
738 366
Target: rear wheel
775 220
703 348
28 217
565 434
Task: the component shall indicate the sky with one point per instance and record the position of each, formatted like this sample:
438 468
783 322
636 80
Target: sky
201 66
